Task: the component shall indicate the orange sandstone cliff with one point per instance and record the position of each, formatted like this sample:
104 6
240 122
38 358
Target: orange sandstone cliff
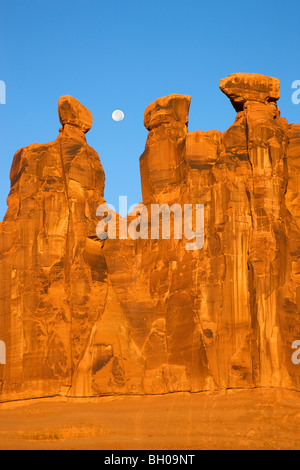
81 316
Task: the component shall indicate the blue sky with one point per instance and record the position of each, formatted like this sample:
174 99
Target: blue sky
123 54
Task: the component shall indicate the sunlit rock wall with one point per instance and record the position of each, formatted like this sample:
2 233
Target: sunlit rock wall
82 316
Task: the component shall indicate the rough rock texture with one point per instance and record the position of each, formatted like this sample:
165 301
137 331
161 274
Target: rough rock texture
51 292
81 316
243 87
72 112
162 163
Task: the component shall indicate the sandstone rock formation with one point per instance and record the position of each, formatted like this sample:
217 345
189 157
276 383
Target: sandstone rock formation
71 112
82 316
48 303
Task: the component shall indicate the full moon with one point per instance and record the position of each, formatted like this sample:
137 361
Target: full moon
118 115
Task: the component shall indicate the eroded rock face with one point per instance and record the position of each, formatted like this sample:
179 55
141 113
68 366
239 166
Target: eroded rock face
83 317
162 164
72 112
243 87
